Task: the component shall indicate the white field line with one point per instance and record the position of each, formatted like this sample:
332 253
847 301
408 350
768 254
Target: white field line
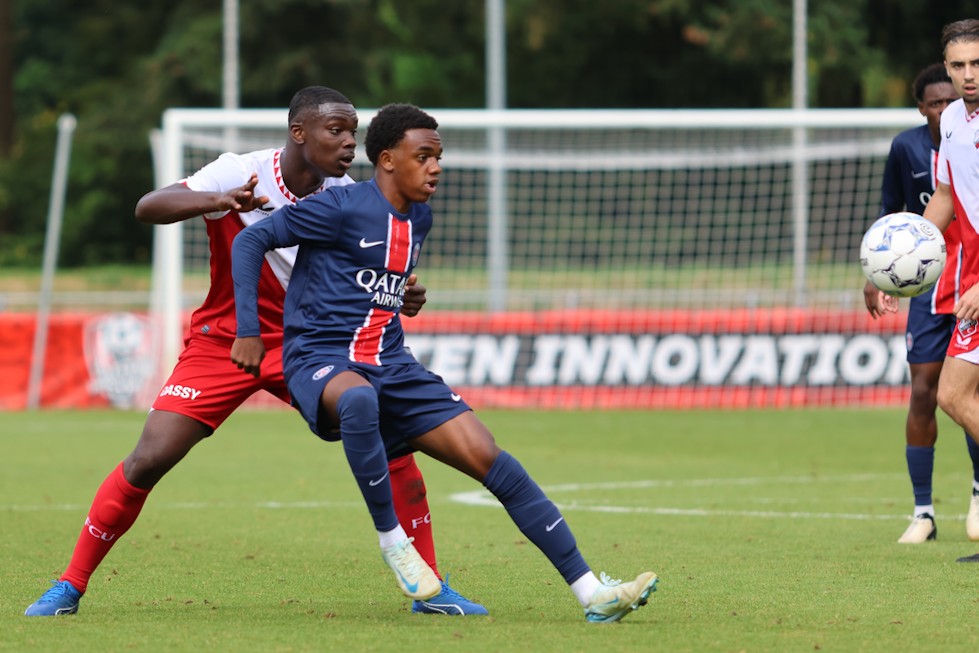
484 498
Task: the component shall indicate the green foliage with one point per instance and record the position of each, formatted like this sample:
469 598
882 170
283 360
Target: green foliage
117 66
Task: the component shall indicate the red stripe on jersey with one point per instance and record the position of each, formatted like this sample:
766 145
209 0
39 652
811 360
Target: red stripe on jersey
969 272
366 346
399 244
946 292
215 317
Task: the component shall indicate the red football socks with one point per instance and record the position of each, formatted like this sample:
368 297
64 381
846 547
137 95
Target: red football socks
114 510
411 505
117 504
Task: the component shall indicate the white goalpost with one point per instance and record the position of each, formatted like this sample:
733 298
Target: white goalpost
601 210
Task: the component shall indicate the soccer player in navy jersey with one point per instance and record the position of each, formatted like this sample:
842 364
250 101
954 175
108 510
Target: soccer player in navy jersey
909 181
231 192
350 375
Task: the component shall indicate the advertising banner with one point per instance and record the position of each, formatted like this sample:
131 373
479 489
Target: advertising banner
548 359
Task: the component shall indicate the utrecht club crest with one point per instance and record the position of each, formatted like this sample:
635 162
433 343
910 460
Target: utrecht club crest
120 355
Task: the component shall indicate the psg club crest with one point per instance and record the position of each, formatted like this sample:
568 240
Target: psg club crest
120 355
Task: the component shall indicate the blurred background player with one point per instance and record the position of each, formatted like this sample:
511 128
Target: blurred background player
348 370
909 181
231 193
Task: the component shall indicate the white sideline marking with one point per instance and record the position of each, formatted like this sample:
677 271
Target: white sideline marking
484 498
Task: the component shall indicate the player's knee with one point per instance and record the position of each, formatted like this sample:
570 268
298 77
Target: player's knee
357 403
948 400
923 402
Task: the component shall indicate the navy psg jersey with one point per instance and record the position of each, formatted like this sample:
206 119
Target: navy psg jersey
355 254
909 176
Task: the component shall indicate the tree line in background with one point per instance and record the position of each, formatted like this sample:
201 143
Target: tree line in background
117 66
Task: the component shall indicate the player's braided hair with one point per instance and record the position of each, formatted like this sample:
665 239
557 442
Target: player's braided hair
312 97
961 30
933 74
389 126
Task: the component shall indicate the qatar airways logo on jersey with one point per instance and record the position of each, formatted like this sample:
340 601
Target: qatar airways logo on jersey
387 288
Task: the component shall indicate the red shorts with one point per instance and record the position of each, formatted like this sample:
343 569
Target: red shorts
965 341
206 386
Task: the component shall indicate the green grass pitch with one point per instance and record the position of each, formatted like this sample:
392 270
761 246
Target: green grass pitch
770 530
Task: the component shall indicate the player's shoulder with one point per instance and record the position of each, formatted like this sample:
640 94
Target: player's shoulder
246 159
264 162
954 112
234 168
335 192
913 135
357 191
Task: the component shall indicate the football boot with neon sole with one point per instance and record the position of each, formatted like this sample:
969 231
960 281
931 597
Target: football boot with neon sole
615 599
415 578
61 599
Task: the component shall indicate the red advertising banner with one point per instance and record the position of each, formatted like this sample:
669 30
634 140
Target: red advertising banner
91 360
548 359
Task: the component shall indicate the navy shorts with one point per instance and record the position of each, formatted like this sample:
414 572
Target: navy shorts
927 334
412 400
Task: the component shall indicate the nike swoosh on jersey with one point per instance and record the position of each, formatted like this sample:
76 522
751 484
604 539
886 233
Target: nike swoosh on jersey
374 243
377 482
456 397
918 175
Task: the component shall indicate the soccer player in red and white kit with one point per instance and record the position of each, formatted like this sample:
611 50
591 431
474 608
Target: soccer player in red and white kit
909 181
957 196
231 193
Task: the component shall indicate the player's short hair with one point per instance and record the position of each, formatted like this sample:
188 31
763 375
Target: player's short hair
312 97
389 126
933 74
961 30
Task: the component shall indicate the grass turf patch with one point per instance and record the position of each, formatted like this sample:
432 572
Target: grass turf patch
770 530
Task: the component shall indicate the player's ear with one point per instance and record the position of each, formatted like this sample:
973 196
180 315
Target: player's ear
297 133
386 161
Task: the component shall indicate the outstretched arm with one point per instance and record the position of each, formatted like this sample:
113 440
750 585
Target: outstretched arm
176 202
247 258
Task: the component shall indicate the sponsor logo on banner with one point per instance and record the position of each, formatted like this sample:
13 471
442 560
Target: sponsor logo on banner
678 359
120 356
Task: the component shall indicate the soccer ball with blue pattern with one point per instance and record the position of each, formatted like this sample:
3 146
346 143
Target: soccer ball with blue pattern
903 254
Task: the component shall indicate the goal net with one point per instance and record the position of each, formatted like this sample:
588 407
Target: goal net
621 258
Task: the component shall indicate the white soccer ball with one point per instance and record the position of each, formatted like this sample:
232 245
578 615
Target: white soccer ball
903 254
